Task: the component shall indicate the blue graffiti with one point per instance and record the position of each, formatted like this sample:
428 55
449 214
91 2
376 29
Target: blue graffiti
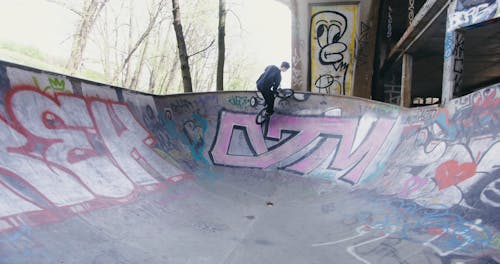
449 128
406 220
192 136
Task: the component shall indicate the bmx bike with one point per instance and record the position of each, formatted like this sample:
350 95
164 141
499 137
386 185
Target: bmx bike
261 117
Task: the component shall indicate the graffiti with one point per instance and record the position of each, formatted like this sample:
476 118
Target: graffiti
420 115
194 134
67 139
27 246
240 102
412 185
431 174
451 173
297 79
462 238
474 114
442 230
156 127
447 156
344 137
491 193
190 134
332 48
364 44
469 12
361 231
458 62
448 44
55 85
207 102
389 22
182 106
411 11
50 84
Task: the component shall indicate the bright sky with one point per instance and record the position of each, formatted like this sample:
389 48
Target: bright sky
265 39
36 23
267 36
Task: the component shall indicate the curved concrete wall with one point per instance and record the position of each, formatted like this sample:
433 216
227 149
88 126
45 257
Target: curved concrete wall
69 147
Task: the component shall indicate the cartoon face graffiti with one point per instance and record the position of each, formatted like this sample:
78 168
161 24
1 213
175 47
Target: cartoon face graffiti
330 27
331 48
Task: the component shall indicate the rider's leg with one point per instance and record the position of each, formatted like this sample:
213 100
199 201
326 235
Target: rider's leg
269 97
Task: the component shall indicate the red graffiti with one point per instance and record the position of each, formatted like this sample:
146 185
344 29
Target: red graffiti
64 155
450 173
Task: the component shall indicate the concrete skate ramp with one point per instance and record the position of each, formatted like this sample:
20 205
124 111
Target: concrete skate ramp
96 174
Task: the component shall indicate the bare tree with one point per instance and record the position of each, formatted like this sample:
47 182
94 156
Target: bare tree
88 16
153 18
181 44
138 49
222 45
160 56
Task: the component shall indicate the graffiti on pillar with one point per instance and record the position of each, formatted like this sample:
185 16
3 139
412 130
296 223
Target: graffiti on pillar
458 62
364 44
332 38
470 12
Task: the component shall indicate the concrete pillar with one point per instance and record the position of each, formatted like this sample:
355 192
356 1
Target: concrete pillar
453 60
365 54
406 80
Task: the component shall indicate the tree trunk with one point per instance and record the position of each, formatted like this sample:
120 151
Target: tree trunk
181 44
221 46
89 14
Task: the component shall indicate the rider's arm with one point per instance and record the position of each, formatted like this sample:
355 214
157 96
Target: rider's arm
277 82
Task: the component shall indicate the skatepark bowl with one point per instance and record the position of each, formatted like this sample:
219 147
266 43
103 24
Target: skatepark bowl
97 174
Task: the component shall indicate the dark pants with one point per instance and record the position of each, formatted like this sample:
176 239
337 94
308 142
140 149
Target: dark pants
269 98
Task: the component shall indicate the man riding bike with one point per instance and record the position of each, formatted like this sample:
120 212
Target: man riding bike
268 84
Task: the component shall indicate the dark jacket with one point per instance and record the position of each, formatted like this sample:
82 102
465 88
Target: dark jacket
270 78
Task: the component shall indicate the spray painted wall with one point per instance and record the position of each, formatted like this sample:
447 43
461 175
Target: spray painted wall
68 146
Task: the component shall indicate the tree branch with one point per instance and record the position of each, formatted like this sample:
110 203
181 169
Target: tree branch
237 18
67 6
198 52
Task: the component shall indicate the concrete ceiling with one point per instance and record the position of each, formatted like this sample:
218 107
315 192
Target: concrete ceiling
481 58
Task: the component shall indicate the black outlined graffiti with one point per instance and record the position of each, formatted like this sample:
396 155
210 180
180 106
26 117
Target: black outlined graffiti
330 49
458 63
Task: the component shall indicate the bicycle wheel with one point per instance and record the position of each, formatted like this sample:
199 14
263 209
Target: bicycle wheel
253 101
285 93
261 117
